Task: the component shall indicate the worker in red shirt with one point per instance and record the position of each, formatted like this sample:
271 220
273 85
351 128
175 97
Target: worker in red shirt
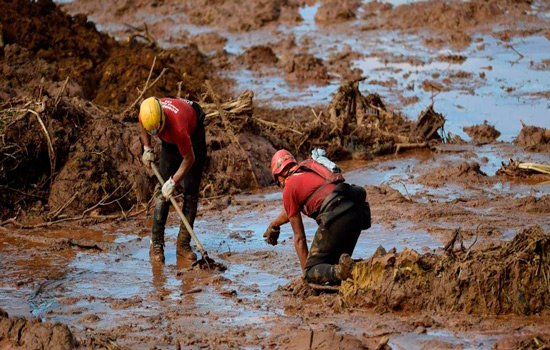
340 209
179 125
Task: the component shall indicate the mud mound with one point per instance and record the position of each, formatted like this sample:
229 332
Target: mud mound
497 280
453 172
482 134
531 204
321 340
335 11
534 138
208 42
57 46
233 16
20 333
257 56
70 167
305 68
455 21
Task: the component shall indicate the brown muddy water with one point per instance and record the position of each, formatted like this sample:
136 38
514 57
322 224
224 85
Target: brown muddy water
113 289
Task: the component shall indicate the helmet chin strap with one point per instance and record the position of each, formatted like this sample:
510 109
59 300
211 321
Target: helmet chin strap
285 174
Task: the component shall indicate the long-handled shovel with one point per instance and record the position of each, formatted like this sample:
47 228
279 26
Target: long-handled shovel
205 259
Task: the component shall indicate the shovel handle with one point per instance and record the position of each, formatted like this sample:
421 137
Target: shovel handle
180 213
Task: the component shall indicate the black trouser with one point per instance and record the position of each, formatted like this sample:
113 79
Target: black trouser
170 161
330 242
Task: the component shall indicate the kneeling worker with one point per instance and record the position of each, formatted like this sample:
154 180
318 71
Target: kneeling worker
179 125
340 210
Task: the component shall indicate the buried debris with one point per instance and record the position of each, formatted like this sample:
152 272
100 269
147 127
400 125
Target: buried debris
359 126
520 169
512 278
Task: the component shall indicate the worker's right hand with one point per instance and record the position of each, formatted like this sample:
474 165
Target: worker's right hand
271 235
148 156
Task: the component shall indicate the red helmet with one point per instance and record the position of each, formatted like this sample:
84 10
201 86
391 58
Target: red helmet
281 159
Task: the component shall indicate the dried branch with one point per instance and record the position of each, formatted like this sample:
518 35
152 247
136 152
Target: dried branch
145 88
51 150
229 129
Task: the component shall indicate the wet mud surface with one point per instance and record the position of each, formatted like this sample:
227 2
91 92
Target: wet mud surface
371 82
112 290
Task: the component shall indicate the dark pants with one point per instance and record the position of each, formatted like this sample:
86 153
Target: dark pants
170 161
330 242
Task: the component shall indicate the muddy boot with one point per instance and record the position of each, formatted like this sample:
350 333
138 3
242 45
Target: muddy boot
157 233
183 247
342 271
156 253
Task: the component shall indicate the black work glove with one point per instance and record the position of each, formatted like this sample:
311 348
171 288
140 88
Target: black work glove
271 235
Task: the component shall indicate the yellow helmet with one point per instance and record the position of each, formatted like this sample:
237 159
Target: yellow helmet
151 115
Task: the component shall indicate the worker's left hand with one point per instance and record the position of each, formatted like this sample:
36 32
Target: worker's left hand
148 156
271 235
168 188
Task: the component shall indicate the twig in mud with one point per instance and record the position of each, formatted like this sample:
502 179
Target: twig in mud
21 192
514 49
229 129
147 36
450 245
405 146
240 105
146 87
179 89
60 93
407 192
275 125
470 247
323 287
64 206
51 150
73 243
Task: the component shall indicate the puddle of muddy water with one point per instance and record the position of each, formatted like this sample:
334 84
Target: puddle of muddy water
441 339
400 173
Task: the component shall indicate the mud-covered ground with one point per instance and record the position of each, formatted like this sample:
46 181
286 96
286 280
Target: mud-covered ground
100 282
70 255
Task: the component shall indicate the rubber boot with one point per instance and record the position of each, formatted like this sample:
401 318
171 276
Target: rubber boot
157 233
183 247
342 271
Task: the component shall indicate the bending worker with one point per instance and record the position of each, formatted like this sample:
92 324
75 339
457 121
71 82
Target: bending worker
179 125
340 210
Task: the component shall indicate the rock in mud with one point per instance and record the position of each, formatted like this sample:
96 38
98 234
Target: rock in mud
335 11
459 280
482 134
321 340
20 333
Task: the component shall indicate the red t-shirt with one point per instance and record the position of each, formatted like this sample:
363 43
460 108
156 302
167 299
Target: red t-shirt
181 122
299 186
